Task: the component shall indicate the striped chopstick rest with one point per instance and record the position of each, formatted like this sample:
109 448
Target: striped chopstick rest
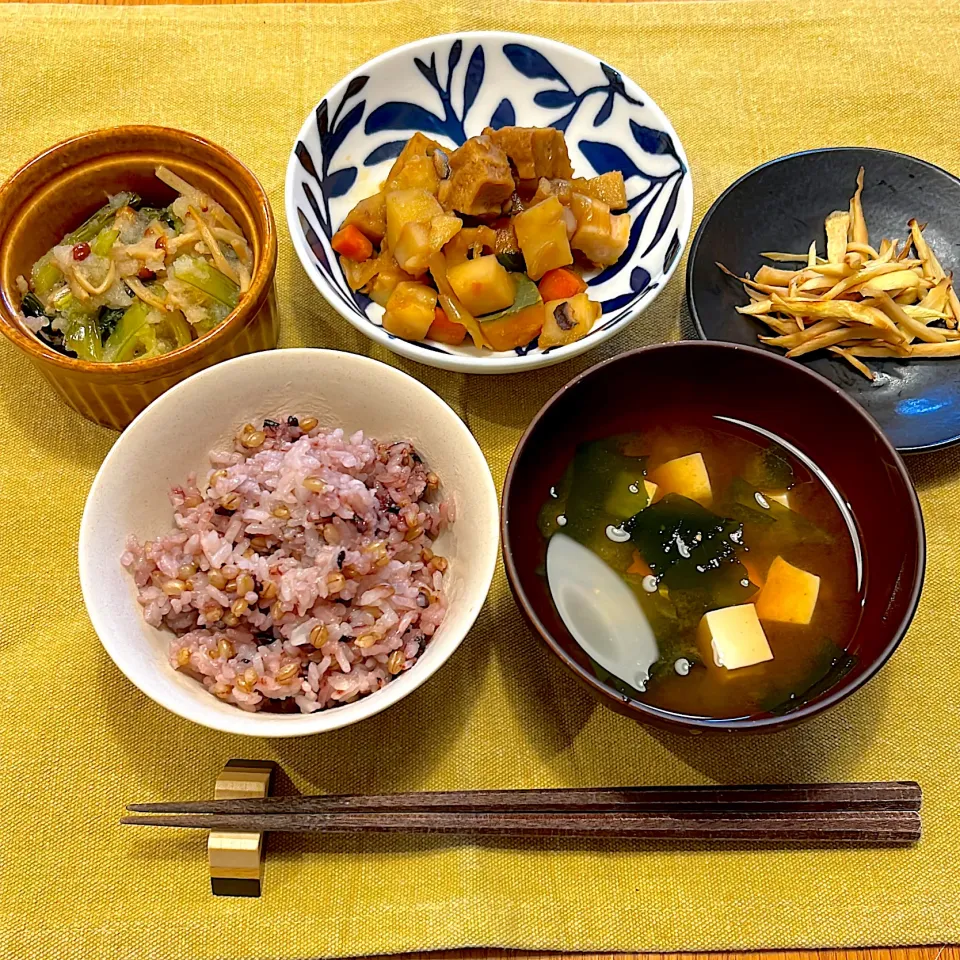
236 857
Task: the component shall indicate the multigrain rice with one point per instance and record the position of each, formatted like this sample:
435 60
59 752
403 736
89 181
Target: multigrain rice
301 573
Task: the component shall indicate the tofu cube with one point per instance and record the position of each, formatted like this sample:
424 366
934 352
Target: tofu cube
686 476
789 594
732 637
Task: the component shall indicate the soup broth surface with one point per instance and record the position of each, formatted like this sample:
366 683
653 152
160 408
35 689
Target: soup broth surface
689 548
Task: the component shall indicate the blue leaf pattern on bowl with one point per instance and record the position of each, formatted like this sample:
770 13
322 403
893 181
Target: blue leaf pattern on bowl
504 115
386 151
531 63
452 91
471 85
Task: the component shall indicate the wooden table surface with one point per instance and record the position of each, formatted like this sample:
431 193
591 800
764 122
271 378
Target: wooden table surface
933 952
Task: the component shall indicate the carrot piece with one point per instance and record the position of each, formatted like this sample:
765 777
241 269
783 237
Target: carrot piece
352 244
639 566
560 284
445 330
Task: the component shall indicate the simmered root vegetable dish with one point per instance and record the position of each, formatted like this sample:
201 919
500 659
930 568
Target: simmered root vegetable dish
136 281
490 240
859 301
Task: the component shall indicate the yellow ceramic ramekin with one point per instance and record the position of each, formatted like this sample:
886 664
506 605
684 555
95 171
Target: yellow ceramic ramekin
57 190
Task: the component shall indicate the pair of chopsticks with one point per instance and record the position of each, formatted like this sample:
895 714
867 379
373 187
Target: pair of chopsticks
878 813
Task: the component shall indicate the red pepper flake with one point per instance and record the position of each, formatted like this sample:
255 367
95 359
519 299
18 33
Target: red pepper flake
144 274
161 243
81 251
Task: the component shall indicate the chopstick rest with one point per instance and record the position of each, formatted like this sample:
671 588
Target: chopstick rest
236 857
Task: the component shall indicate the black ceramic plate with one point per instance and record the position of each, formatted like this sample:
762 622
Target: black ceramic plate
781 206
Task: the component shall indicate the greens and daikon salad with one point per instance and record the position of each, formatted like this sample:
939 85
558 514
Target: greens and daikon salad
136 281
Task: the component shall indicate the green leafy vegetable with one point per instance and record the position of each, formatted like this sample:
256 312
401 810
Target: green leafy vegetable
527 296
207 279
107 321
748 505
513 261
164 215
92 226
104 240
79 323
45 275
131 335
30 306
769 469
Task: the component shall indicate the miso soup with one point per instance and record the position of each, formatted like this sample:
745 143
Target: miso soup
705 567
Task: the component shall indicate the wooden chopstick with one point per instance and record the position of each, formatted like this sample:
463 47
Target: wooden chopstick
785 798
888 827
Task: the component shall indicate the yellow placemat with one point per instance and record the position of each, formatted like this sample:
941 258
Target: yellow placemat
743 82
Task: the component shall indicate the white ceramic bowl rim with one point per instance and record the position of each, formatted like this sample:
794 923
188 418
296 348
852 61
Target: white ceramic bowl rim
506 362
204 708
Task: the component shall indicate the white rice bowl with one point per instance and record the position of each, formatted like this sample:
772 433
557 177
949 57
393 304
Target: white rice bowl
173 438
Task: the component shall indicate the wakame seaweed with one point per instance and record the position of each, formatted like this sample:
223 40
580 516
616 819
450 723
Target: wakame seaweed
747 504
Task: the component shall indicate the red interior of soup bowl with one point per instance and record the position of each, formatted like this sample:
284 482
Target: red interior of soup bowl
769 392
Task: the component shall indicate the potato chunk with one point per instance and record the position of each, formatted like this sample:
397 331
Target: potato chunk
408 206
420 240
565 321
369 216
410 310
414 167
686 476
601 236
542 236
385 282
732 637
482 285
789 594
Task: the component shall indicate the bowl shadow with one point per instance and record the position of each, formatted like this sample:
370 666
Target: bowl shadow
556 709
540 690
371 756
312 322
819 749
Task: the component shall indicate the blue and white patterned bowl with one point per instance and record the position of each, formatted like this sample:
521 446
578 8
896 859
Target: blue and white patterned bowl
450 88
